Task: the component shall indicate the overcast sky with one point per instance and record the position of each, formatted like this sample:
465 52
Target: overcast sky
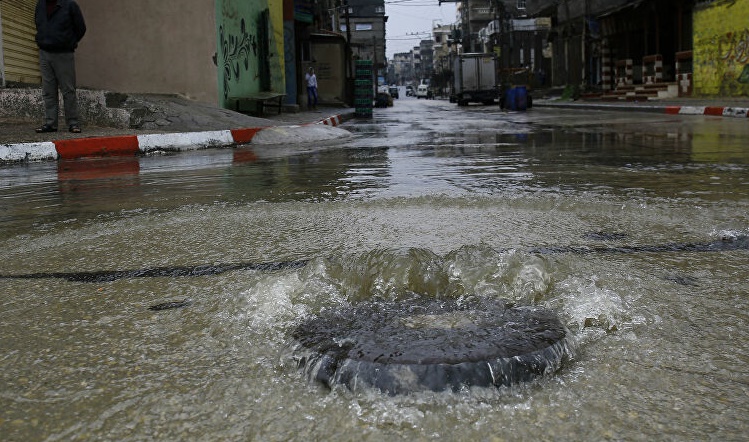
407 17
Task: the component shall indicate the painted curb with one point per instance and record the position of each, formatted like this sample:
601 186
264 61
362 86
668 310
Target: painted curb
132 145
28 152
97 146
335 120
718 111
185 141
721 111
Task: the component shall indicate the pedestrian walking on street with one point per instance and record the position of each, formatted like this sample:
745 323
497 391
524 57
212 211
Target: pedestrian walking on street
311 88
59 28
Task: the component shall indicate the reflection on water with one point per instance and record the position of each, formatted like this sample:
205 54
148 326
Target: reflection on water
394 160
581 220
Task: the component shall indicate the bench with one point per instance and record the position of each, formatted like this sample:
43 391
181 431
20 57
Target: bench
261 99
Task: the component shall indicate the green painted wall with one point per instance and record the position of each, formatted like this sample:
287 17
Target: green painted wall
721 49
250 48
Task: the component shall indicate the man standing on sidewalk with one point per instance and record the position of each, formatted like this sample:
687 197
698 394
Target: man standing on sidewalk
59 28
311 88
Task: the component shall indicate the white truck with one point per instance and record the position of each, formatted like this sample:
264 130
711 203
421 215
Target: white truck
475 79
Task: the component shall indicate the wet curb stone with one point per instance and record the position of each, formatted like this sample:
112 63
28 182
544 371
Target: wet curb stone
131 145
720 111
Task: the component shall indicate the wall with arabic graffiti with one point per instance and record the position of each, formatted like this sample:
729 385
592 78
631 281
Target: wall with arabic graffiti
247 55
721 49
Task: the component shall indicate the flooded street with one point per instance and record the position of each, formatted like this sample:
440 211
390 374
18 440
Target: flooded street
631 227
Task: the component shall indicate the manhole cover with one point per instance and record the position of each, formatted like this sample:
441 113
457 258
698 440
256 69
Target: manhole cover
430 344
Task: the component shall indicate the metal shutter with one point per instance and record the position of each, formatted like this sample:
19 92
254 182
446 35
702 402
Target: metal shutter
19 51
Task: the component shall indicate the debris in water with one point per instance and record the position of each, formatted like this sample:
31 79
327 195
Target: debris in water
683 280
170 304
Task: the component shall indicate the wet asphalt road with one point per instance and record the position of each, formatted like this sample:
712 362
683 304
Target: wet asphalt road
413 124
424 198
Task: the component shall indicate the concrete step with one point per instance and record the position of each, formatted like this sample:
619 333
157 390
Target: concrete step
642 92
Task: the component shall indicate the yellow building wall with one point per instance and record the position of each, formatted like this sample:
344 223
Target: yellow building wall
277 67
721 49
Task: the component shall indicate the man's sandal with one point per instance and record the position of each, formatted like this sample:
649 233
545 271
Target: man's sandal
45 128
75 128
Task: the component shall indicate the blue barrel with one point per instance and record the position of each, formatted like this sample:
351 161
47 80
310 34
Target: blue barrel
510 99
521 98
516 98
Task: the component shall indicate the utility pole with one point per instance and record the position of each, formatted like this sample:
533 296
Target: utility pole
335 18
349 56
467 34
585 45
566 43
376 70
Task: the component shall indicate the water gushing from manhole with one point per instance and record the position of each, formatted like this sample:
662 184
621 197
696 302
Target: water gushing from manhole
431 344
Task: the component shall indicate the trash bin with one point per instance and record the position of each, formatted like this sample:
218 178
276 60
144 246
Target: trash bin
510 99
516 98
521 98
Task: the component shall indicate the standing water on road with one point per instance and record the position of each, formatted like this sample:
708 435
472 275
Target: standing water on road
631 228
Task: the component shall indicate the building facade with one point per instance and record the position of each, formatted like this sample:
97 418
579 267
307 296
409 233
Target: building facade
672 47
367 19
603 46
207 51
400 69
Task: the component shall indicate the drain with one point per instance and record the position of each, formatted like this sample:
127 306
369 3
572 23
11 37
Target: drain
429 344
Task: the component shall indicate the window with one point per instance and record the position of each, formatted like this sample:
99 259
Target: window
379 9
520 4
306 51
363 27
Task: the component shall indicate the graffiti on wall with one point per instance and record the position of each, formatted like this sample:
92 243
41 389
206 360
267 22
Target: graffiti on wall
734 49
721 49
235 52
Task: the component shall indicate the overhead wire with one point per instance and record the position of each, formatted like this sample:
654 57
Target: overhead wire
404 3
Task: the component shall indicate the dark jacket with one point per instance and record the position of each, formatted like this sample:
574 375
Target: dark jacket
62 31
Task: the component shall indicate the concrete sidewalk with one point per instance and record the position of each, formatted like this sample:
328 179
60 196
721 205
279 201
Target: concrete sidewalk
725 107
117 124
735 109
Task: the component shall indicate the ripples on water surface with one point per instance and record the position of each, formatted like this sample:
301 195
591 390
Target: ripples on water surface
661 335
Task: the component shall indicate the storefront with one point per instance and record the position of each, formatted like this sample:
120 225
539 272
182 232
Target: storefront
19 57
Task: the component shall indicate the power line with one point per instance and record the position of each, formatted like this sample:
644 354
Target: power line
404 38
414 33
404 3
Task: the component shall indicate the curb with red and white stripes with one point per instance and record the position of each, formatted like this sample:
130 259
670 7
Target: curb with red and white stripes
131 145
719 111
335 120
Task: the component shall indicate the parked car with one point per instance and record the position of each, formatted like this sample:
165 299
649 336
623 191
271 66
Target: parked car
422 91
394 91
409 91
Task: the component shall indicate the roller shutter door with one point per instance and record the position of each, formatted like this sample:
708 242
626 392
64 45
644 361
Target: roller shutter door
20 54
